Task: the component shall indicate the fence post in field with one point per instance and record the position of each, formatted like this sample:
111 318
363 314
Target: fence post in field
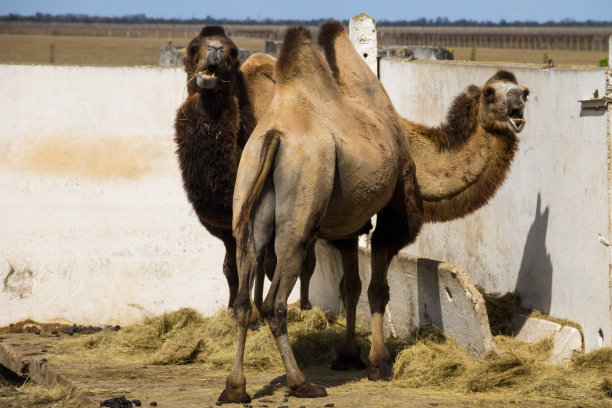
610 51
362 32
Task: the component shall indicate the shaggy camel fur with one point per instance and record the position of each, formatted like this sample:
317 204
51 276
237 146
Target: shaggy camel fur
328 154
461 163
212 127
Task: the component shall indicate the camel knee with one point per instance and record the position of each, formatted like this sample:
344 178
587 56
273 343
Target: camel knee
242 309
378 297
277 318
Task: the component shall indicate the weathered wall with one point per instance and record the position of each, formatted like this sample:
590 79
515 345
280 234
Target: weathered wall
540 233
95 226
422 292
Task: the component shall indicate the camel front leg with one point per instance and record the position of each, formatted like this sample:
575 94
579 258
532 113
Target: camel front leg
378 296
288 267
349 357
397 225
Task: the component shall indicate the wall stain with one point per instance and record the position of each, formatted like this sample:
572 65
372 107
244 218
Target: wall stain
96 158
19 282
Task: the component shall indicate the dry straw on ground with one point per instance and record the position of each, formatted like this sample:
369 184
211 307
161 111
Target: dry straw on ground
427 360
32 395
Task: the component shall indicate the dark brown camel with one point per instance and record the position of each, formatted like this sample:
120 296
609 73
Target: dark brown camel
212 127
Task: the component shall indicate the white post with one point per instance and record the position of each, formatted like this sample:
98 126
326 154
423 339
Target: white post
362 32
610 51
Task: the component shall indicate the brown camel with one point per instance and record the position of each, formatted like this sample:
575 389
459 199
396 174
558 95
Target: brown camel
461 163
328 154
212 127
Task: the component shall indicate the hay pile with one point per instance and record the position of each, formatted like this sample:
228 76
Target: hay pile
428 360
519 370
185 337
30 395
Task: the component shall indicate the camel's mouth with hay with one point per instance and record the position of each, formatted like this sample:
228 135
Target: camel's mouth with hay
516 122
206 79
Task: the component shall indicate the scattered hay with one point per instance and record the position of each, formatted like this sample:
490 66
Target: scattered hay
185 337
32 395
427 360
519 369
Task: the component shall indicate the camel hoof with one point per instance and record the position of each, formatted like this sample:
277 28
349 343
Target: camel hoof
308 390
235 395
346 363
381 372
255 316
305 306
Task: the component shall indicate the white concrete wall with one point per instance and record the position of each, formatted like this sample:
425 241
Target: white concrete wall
540 233
95 227
423 292
94 224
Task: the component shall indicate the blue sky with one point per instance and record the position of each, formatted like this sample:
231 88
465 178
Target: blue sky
494 10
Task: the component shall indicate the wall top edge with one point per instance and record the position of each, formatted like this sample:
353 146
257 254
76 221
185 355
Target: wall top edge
112 67
496 64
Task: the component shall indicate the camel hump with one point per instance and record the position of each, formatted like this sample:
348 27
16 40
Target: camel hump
212 30
503 76
300 61
329 31
353 76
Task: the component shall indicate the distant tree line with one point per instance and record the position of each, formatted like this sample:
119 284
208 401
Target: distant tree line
421 22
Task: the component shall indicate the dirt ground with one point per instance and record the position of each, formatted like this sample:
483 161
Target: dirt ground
87 380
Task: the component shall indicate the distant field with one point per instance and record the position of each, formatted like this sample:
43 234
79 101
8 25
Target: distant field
78 50
559 57
90 50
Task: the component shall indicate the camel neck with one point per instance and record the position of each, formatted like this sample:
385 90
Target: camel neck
457 180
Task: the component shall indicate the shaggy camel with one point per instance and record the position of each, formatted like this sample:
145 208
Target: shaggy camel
212 126
461 163
328 154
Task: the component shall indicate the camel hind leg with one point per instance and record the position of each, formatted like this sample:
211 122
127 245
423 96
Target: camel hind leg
249 257
289 264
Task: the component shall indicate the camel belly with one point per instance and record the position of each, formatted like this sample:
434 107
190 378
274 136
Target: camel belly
361 189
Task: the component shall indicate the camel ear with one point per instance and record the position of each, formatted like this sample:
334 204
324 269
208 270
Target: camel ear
472 91
489 94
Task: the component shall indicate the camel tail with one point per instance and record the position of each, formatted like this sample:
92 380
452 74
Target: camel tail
243 226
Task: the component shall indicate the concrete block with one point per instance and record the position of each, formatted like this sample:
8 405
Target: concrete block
423 292
532 330
362 32
565 343
566 339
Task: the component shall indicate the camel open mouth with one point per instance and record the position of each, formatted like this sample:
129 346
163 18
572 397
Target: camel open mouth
516 122
206 79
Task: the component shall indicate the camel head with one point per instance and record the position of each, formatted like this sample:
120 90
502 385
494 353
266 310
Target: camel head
502 103
211 62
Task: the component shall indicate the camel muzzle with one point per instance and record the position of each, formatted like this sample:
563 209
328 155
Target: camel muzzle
215 60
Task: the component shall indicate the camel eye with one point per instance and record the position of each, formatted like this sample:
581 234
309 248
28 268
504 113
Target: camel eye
233 53
193 51
525 93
